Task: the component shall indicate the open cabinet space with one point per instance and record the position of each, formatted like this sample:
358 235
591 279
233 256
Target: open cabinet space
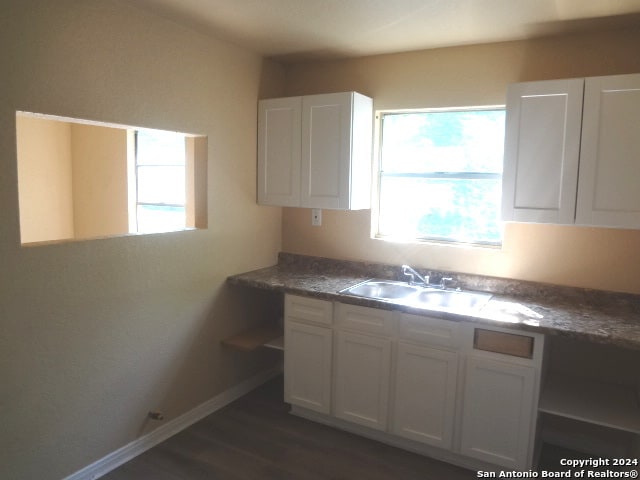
590 400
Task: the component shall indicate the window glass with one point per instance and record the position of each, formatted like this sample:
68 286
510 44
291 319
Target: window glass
162 185
158 147
441 175
160 218
160 181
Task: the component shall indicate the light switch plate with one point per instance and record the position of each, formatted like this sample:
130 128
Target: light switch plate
316 217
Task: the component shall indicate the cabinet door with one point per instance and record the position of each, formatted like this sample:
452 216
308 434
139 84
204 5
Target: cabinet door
542 148
425 394
326 150
498 412
307 366
362 372
609 192
279 134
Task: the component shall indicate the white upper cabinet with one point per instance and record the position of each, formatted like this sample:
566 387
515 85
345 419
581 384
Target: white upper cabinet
315 151
609 183
542 148
571 152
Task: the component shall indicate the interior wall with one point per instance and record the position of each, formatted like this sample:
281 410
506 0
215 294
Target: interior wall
99 181
471 76
96 333
45 173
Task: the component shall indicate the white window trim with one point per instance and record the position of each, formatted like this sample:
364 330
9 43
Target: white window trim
132 183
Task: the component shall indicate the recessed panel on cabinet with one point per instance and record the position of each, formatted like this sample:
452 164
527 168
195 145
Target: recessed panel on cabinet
498 412
307 366
540 114
425 394
362 370
323 159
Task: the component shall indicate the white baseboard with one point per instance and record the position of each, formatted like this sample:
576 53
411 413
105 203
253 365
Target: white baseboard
122 455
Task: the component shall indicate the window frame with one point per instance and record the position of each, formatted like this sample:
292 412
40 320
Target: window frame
378 151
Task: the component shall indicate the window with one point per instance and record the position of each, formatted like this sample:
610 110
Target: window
440 175
160 182
80 179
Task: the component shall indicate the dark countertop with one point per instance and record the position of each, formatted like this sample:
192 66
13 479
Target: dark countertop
589 315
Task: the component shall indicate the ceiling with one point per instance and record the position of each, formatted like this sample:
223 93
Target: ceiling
294 30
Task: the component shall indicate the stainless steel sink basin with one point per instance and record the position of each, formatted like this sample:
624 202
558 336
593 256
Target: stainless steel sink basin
451 300
382 289
421 297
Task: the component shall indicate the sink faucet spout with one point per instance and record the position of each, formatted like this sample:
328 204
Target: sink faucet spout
412 274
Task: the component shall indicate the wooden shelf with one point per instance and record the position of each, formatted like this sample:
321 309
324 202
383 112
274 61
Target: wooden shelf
599 403
276 343
266 335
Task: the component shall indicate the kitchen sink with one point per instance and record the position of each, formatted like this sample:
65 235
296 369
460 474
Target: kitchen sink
451 300
429 298
382 289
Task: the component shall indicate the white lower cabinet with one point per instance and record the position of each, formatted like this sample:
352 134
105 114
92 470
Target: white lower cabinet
425 394
452 390
362 372
498 411
307 366
308 353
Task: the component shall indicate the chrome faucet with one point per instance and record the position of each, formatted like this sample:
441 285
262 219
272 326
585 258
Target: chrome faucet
412 274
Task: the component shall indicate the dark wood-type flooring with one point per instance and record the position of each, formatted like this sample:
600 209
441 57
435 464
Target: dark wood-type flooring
256 438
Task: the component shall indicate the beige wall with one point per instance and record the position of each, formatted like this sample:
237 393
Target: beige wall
100 206
469 76
96 333
45 173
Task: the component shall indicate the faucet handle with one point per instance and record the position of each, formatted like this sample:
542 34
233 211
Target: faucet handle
446 281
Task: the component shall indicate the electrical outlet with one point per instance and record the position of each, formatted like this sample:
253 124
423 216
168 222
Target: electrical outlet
155 415
316 217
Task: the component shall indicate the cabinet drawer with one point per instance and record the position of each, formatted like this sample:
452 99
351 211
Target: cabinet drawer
308 309
511 344
429 331
364 319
